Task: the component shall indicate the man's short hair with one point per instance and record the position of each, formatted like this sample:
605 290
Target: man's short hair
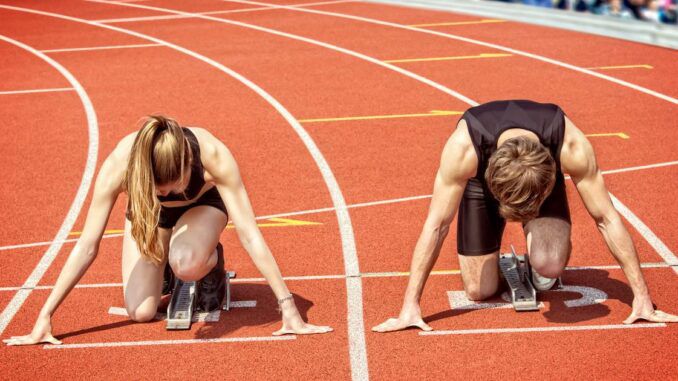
520 174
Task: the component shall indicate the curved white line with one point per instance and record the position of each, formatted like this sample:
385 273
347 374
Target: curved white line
343 217
66 226
476 42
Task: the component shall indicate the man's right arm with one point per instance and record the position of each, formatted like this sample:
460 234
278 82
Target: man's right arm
457 164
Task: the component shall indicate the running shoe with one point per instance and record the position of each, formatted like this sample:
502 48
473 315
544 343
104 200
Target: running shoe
542 283
167 280
212 287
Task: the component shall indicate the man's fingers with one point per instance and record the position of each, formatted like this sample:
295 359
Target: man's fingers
631 319
663 317
281 331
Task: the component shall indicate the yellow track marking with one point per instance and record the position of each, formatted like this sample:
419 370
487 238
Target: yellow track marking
280 222
617 134
621 67
275 222
486 21
394 116
483 55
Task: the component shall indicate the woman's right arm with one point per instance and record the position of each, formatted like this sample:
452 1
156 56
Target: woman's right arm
107 187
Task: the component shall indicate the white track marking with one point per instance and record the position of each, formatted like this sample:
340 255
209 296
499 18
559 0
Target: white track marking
354 290
542 329
243 304
171 342
589 297
85 182
649 236
33 91
243 10
107 47
459 301
478 42
387 274
351 206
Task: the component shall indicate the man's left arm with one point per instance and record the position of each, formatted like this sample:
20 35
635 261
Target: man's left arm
578 160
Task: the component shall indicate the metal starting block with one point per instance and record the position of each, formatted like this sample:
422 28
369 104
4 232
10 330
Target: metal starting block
182 306
518 275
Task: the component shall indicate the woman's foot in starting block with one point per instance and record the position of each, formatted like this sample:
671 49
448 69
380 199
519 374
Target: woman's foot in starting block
212 287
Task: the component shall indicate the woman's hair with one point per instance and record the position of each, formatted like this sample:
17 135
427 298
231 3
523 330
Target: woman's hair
520 174
160 155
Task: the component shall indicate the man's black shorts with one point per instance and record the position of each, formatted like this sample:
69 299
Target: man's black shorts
480 226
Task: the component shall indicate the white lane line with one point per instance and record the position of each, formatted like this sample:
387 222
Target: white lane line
651 238
640 167
387 274
52 90
483 331
85 182
107 47
351 206
243 10
478 42
356 329
171 342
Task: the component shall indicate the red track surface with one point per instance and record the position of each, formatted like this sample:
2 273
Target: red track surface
384 159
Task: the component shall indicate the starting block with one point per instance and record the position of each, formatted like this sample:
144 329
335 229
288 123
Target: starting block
183 303
518 275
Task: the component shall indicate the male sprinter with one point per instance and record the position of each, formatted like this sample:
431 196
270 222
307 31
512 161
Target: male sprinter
505 161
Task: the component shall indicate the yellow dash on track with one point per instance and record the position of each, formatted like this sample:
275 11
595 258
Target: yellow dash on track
486 21
280 222
483 55
114 231
406 273
394 116
622 67
274 222
610 134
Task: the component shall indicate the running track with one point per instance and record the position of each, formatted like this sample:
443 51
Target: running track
328 110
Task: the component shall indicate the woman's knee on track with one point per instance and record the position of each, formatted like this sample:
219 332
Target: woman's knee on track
188 263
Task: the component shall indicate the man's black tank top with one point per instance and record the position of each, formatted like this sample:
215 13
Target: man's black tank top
197 180
488 121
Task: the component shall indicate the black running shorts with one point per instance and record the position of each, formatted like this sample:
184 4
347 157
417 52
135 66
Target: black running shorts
170 216
480 226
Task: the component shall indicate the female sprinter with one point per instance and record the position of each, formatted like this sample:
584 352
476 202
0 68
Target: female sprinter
182 185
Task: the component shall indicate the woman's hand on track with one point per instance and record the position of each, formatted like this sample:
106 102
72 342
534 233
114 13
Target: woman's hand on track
42 333
643 309
293 323
409 317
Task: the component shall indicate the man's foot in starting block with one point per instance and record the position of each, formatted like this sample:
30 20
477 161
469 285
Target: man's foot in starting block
516 272
523 281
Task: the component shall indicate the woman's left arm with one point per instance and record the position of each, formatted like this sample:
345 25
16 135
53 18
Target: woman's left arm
221 165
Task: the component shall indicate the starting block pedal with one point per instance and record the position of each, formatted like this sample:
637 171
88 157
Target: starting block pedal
227 302
518 275
182 306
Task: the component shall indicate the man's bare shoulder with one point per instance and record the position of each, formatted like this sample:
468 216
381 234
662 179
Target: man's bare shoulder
576 155
459 160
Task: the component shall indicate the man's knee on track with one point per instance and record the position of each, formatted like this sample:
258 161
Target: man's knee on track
476 292
551 262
